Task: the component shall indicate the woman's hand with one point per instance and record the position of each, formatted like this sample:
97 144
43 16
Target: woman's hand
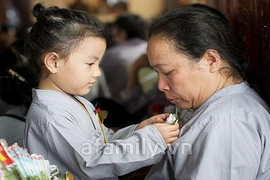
169 132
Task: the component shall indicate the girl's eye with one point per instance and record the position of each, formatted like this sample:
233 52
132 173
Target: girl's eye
90 64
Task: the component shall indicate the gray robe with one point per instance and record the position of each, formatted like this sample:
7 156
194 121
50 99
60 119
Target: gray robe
59 129
228 137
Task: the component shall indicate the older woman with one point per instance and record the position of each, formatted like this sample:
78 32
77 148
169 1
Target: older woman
200 67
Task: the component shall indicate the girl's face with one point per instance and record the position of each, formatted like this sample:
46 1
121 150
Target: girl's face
79 72
184 83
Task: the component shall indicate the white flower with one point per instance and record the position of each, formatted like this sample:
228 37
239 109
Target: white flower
171 119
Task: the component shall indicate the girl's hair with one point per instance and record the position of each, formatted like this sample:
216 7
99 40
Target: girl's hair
59 30
196 28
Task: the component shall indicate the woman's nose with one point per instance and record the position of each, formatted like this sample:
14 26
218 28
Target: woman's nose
162 85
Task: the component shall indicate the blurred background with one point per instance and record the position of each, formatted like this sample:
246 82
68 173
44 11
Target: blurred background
249 20
127 88
13 12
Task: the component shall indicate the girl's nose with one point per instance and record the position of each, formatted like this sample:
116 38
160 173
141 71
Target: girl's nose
98 72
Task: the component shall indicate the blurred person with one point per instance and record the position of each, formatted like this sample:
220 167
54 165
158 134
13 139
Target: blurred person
7 36
120 8
80 5
15 92
129 34
14 11
110 37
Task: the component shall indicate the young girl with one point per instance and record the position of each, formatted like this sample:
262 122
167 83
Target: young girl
66 47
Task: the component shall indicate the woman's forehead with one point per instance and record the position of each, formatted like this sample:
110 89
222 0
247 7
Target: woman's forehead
160 43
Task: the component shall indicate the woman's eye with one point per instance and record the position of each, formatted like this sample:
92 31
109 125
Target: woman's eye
168 73
90 64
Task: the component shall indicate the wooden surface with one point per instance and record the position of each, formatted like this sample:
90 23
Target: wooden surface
253 30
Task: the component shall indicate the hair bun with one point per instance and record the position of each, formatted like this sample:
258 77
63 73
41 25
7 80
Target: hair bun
38 9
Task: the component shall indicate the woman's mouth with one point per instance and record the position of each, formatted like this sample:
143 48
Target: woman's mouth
173 101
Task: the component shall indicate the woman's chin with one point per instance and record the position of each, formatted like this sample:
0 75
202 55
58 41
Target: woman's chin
183 105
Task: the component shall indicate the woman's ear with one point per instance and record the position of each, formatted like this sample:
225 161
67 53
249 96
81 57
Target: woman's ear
213 60
51 62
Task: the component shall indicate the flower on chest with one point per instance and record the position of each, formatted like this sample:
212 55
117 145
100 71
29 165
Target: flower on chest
101 114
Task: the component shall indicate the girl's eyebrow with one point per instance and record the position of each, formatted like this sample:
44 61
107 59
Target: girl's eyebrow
95 58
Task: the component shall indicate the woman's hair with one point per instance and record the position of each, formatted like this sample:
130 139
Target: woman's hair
59 30
196 28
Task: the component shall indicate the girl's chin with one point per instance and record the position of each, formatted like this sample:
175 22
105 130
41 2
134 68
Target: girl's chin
85 92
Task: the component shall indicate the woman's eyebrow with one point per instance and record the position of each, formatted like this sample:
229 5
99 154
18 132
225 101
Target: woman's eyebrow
158 65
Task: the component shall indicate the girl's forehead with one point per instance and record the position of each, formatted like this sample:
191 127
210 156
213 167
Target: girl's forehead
90 47
90 41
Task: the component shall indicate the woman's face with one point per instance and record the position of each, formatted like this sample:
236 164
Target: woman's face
185 83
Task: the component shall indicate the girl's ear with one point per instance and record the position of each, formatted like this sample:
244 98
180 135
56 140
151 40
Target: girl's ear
50 61
213 60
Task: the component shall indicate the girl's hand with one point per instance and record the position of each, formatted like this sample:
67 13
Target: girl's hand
160 118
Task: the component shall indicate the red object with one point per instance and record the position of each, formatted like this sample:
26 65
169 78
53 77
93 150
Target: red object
97 110
5 157
156 108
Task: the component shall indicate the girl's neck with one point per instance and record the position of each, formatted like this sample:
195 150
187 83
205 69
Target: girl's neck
48 85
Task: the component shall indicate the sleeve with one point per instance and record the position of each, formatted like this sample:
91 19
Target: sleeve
223 149
120 134
90 158
161 171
